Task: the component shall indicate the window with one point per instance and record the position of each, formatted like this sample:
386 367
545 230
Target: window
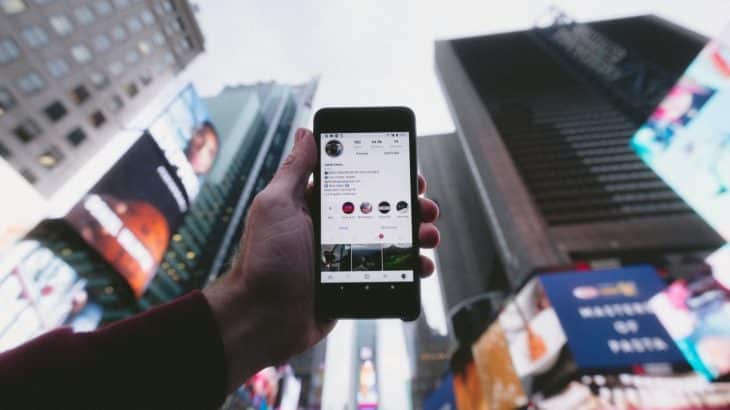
116 68
30 83
116 103
79 95
81 53
97 119
50 158
147 17
102 43
55 111
184 44
99 80
133 24
158 38
144 47
132 57
145 79
173 26
166 6
131 89
160 68
27 130
121 4
28 176
61 24
103 8
7 101
57 67
169 58
9 51
84 16
118 33
13 6
76 137
35 36
4 151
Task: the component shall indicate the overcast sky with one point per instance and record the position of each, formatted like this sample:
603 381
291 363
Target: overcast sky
377 52
368 52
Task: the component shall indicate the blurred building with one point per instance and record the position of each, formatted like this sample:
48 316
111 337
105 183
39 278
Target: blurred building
429 355
73 74
255 125
545 117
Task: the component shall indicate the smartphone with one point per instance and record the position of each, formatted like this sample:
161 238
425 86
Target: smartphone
366 214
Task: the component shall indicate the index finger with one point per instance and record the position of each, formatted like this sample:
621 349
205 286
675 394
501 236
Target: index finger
421 184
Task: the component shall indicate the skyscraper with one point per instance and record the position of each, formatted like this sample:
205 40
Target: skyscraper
545 117
73 75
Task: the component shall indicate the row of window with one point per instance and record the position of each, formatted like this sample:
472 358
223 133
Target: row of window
28 129
32 83
102 7
37 37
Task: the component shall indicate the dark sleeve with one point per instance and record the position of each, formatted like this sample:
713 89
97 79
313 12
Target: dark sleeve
168 357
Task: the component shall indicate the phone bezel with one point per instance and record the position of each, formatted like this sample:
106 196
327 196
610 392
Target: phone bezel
367 300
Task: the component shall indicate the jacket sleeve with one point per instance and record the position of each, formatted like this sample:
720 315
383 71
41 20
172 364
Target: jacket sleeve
168 357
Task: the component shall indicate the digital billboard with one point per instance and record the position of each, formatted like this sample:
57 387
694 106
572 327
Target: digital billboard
38 292
185 131
687 138
130 214
696 313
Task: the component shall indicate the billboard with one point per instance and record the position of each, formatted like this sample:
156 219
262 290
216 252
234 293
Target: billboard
696 313
606 318
129 215
184 130
38 292
687 138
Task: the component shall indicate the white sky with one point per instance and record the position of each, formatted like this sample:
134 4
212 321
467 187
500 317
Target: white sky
368 52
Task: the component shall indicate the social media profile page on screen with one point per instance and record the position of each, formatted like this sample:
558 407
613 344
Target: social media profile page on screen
362 172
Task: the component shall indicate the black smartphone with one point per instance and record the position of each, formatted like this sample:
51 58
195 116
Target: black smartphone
366 214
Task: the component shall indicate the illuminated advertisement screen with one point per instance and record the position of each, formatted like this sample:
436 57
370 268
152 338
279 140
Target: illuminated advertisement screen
130 214
186 132
38 291
687 139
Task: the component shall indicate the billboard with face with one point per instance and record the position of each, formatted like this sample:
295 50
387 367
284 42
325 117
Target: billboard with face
185 132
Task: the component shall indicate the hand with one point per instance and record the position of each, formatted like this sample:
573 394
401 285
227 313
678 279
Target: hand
264 305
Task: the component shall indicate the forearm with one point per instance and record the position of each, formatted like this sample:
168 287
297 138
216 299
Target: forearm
171 356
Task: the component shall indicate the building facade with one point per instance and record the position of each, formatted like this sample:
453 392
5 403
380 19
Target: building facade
545 117
73 73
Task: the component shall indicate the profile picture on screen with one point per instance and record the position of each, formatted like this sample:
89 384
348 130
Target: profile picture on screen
384 207
333 148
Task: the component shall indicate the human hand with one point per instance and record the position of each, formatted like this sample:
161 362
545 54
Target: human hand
265 304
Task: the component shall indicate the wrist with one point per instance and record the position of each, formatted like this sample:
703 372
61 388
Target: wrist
241 330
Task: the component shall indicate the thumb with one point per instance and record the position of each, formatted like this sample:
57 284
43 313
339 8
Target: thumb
294 172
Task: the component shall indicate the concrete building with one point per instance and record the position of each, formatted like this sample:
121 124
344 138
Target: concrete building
545 117
73 73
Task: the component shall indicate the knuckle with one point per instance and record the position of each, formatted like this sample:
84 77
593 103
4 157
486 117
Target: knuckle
269 202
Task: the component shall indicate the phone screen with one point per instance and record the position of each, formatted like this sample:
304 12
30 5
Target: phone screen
366 222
